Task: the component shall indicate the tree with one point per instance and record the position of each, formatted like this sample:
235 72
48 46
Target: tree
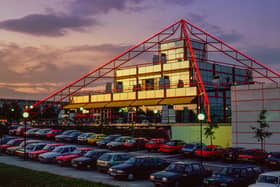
210 131
261 132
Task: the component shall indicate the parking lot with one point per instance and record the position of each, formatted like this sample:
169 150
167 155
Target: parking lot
96 176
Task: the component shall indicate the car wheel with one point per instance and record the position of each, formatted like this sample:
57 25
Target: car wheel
130 177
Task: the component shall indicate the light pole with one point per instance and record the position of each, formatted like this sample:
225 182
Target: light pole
25 115
201 118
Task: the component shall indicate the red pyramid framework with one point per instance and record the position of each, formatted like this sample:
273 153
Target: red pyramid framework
181 29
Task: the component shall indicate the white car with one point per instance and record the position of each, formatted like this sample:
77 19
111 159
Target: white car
269 179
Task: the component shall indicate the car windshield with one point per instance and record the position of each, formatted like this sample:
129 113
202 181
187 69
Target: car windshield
48 148
134 160
77 151
207 148
267 179
106 157
131 141
87 135
13 142
58 150
171 143
233 172
179 168
151 142
189 146
67 132
30 146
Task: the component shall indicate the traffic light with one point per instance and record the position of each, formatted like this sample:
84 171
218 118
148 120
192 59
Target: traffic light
12 109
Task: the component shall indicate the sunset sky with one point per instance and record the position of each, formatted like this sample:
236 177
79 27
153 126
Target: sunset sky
45 44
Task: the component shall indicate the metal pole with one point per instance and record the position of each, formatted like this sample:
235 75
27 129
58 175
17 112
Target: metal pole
24 157
200 141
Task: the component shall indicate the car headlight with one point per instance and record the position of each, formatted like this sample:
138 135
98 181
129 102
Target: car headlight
224 184
164 179
152 177
110 169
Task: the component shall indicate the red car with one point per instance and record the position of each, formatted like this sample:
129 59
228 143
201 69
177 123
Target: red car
253 155
135 143
11 143
154 144
65 160
21 130
51 134
48 148
173 146
210 151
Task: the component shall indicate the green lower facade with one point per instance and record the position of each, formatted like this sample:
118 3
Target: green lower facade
191 133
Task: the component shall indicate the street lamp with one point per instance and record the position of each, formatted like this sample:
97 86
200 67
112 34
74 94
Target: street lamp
201 118
25 115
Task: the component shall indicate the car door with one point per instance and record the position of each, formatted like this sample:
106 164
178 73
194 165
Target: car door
186 176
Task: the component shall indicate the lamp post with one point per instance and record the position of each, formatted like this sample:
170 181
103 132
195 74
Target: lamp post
25 115
201 117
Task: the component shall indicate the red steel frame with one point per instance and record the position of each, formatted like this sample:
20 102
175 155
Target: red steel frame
188 32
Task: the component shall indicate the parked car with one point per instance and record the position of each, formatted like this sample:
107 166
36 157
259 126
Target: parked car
234 175
13 129
12 150
106 140
173 146
181 174
252 155
273 160
268 179
88 160
190 148
29 148
108 160
65 160
232 153
210 151
42 133
47 148
118 143
95 137
63 135
6 138
50 157
31 132
154 144
82 139
138 167
72 137
12 143
21 130
52 133
135 144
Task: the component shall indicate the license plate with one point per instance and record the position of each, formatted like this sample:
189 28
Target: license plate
75 165
273 162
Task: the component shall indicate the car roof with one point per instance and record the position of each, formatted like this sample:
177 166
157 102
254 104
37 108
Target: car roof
55 144
241 166
272 173
68 146
116 153
85 148
186 162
